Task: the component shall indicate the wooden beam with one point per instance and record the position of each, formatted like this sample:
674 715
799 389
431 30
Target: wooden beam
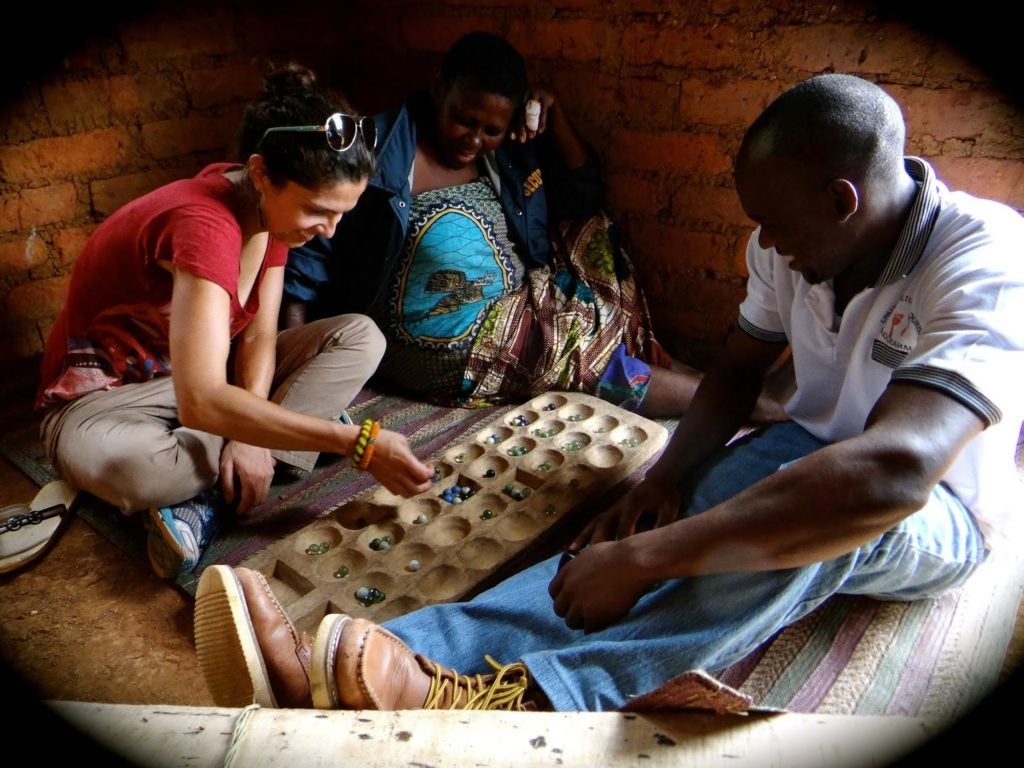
267 738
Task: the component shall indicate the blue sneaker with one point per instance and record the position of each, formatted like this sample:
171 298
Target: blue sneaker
179 534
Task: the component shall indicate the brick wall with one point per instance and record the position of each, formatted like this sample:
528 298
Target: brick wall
663 90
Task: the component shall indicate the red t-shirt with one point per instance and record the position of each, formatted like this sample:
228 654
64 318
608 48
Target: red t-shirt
114 327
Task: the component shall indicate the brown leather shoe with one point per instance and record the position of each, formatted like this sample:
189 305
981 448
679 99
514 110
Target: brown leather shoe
249 651
360 665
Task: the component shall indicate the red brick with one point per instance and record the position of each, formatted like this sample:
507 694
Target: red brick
279 28
146 97
528 4
1001 142
894 49
582 40
719 46
110 194
78 105
946 113
949 66
693 153
61 158
995 179
94 54
223 85
429 32
36 207
68 242
699 299
630 192
704 203
590 99
727 102
172 35
864 49
695 324
174 138
649 104
817 48
19 339
39 299
676 250
23 119
10 220
22 253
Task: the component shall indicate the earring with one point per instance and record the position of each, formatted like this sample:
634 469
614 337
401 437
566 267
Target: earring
259 212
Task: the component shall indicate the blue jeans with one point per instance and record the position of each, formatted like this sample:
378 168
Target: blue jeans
707 622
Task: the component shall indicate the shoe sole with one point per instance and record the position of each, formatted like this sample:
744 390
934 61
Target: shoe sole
226 645
164 529
322 680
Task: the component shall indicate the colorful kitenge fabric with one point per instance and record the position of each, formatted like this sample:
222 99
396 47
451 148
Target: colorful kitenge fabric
467 325
126 345
581 324
458 259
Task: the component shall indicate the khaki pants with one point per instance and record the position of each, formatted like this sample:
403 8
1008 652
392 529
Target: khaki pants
126 446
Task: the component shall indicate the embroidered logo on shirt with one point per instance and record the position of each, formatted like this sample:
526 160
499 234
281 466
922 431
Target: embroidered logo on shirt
898 334
532 183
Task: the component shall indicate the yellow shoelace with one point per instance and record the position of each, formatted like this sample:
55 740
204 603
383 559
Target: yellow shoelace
478 692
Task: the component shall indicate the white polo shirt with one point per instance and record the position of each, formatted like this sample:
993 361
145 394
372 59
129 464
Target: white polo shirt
947 313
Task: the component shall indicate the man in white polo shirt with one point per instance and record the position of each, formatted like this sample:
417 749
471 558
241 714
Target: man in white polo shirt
903 305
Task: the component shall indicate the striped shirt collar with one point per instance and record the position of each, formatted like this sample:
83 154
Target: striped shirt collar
919 224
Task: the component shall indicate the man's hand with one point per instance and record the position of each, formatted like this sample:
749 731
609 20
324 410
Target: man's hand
245 473
396 467
655 499
597 588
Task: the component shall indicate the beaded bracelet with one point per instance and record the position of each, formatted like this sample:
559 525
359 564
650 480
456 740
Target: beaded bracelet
370 445
363 452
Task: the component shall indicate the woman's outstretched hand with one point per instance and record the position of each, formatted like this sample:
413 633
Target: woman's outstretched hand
396 467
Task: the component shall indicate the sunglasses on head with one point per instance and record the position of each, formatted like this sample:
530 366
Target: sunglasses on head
339 129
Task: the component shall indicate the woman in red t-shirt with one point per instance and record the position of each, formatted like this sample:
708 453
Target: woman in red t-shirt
192 274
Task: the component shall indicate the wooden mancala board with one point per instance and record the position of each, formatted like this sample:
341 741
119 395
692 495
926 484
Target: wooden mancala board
495 494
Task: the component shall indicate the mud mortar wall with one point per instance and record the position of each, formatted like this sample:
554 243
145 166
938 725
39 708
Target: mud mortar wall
108 107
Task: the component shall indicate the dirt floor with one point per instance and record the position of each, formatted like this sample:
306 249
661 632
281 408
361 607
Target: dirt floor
85 622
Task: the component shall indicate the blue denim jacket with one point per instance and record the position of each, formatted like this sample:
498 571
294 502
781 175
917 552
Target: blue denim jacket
348 272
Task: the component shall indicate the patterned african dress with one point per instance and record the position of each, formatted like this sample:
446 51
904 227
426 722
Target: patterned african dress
467 325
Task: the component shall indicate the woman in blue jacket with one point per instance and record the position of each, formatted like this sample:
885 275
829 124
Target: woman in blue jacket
481 249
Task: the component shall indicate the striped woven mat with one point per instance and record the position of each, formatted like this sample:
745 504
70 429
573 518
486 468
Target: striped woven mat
854 655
